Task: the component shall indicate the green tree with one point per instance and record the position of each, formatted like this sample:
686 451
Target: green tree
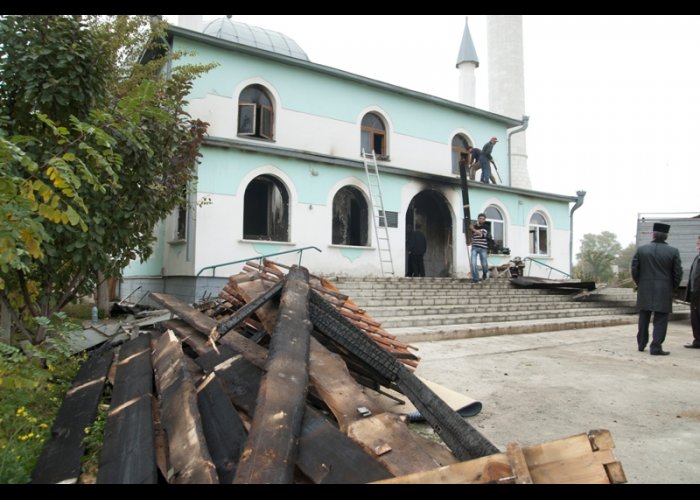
598 253
624 261
95 147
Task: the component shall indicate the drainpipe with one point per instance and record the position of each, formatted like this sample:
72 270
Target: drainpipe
511 132
579 201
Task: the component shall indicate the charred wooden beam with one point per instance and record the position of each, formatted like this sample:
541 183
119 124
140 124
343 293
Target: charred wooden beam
463 439
128 450
205 325
222 426
326 455
189 454
60 458
270 452
239 316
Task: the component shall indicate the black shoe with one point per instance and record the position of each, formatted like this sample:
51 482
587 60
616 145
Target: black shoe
641 349
660 353
692 346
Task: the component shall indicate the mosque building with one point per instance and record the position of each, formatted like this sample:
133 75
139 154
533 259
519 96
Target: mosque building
283 168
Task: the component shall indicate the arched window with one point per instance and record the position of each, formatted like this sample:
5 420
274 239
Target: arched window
459 146
266 210
538 234
350 216
374 135
255 116
498 227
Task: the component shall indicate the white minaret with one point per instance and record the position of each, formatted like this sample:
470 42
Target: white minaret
467 62
190 22
504 39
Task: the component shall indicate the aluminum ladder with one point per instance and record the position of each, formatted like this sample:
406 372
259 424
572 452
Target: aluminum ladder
381 227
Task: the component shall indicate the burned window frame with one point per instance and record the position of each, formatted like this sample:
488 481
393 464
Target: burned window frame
266 210
538 234
498 225
350 217
255 113
460 143
370 132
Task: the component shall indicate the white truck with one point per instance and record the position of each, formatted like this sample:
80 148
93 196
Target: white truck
685 229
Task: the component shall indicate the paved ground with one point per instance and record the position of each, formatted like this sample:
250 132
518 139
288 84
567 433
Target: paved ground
543 386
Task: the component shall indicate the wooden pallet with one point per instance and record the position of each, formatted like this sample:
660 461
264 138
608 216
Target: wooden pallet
580 459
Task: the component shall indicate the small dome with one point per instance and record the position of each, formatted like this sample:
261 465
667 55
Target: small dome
274 41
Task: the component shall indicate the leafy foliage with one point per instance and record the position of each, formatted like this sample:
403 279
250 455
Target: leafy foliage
598 253
31 393
95 147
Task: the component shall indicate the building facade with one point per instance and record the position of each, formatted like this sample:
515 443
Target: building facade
282 169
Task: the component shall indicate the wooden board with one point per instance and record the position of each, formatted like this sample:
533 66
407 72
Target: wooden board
270 451
128 452
222 426
326 455
60 458
574 460
179 414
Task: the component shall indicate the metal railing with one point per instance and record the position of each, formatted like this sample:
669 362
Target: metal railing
257 257
547 266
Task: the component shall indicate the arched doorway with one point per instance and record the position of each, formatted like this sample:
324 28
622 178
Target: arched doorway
430 210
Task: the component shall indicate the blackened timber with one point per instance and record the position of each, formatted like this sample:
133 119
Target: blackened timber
187 334
222 426
326 455
204 325
241 314
179 414
465 201
463 439
128 450
60 458
271 449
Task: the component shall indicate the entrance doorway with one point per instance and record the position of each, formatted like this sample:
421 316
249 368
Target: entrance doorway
430 210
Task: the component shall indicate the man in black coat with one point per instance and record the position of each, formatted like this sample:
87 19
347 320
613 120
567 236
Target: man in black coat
692 295
657 271
416 246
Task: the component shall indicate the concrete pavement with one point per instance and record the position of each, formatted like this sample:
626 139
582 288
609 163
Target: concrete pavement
539 387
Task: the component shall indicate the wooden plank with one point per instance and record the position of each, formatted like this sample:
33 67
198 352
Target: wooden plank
241 314
326 455
189 455
206 325
489 469
344 395
128 451
516 458
403 453
188 335
222 426
60 458
269 454
564 461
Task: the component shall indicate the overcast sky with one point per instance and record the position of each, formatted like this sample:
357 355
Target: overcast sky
614 101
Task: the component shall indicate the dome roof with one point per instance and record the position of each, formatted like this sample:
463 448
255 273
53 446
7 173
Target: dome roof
274 41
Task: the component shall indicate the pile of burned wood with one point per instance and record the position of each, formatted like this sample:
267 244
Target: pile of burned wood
274 383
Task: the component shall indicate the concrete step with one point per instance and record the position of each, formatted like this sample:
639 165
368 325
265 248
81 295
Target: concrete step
480 307
390 323
486 329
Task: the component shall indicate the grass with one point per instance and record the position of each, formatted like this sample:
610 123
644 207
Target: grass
30 396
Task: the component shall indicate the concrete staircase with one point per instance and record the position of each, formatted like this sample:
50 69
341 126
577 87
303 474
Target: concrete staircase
417 309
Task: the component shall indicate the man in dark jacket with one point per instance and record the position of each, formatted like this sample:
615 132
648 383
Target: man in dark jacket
416 246
485 160
657 271
692 295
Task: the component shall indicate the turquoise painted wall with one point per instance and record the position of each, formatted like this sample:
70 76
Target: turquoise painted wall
222 171
154 264
317 93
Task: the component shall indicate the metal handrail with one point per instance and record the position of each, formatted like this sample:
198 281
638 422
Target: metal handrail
257 257
547 266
